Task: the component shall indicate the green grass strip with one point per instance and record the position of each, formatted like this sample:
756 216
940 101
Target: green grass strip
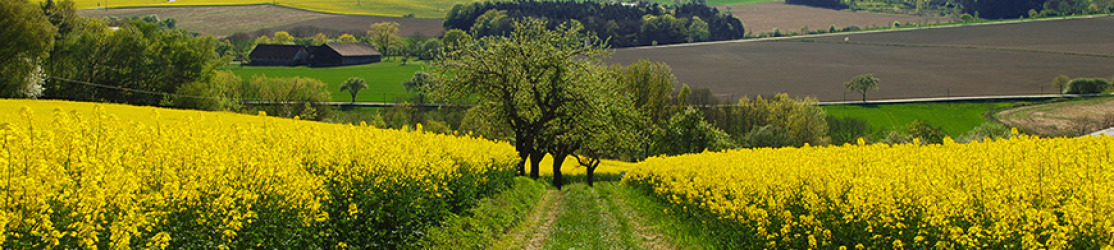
955 118
384 79
481 226
587 221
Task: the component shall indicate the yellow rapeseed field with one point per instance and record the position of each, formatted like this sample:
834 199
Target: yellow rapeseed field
79 175
1019 193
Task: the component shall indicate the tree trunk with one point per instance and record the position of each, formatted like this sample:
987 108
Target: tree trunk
535 161
864 96
557 161
521 171
591 175
523 153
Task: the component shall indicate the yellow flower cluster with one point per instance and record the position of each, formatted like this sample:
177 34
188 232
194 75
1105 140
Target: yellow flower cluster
71 179
1019 193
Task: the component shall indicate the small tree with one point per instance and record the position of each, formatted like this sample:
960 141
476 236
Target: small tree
353 86
383 35
27 39
346 38
454 38
283 37
421 83
1060 82
320 39
862 84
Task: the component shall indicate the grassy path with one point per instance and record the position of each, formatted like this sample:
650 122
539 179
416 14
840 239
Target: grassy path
582 217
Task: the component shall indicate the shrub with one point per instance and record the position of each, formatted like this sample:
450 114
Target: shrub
894 137
846 129
989 130
687 132
926 132
802 120
1087 86
769 136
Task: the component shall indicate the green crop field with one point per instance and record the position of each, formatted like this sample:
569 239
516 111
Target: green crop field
955 118
384 79
394 8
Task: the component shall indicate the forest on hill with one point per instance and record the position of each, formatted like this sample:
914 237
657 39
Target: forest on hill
625 24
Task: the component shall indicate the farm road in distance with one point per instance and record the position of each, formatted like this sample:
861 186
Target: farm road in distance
980 60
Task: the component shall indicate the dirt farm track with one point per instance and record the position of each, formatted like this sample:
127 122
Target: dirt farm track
976 60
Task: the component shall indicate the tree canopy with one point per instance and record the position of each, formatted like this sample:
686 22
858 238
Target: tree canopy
862 84
622 25
353 86
527 80
135 60
25 41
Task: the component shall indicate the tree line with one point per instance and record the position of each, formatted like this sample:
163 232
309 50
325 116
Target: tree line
53 53
621 24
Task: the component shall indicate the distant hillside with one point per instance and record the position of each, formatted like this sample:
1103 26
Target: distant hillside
389 8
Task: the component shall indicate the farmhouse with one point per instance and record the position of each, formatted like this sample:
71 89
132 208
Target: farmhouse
330 54
278 55
333 54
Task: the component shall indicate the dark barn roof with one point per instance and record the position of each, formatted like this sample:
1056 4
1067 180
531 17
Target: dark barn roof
276 51
352 49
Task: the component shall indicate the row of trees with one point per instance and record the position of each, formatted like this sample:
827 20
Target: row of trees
622 24
1067 85
54 53
548 92
383 36
51 52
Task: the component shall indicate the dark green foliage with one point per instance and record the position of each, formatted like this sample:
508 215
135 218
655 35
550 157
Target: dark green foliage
400 116
388 222
687 132
927 133
862 84
421 83
25 40
768 136
529 81
802 120
989 130
1087 86
289 97
830 4
847 129
625 26
136 61
480 226
221 93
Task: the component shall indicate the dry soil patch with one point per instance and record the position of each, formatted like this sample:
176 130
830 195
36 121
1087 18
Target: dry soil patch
1060 119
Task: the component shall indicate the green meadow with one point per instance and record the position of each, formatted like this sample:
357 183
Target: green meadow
384 79
955 118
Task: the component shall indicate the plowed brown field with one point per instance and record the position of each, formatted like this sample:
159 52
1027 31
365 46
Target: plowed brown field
998 59
225 20
764 17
